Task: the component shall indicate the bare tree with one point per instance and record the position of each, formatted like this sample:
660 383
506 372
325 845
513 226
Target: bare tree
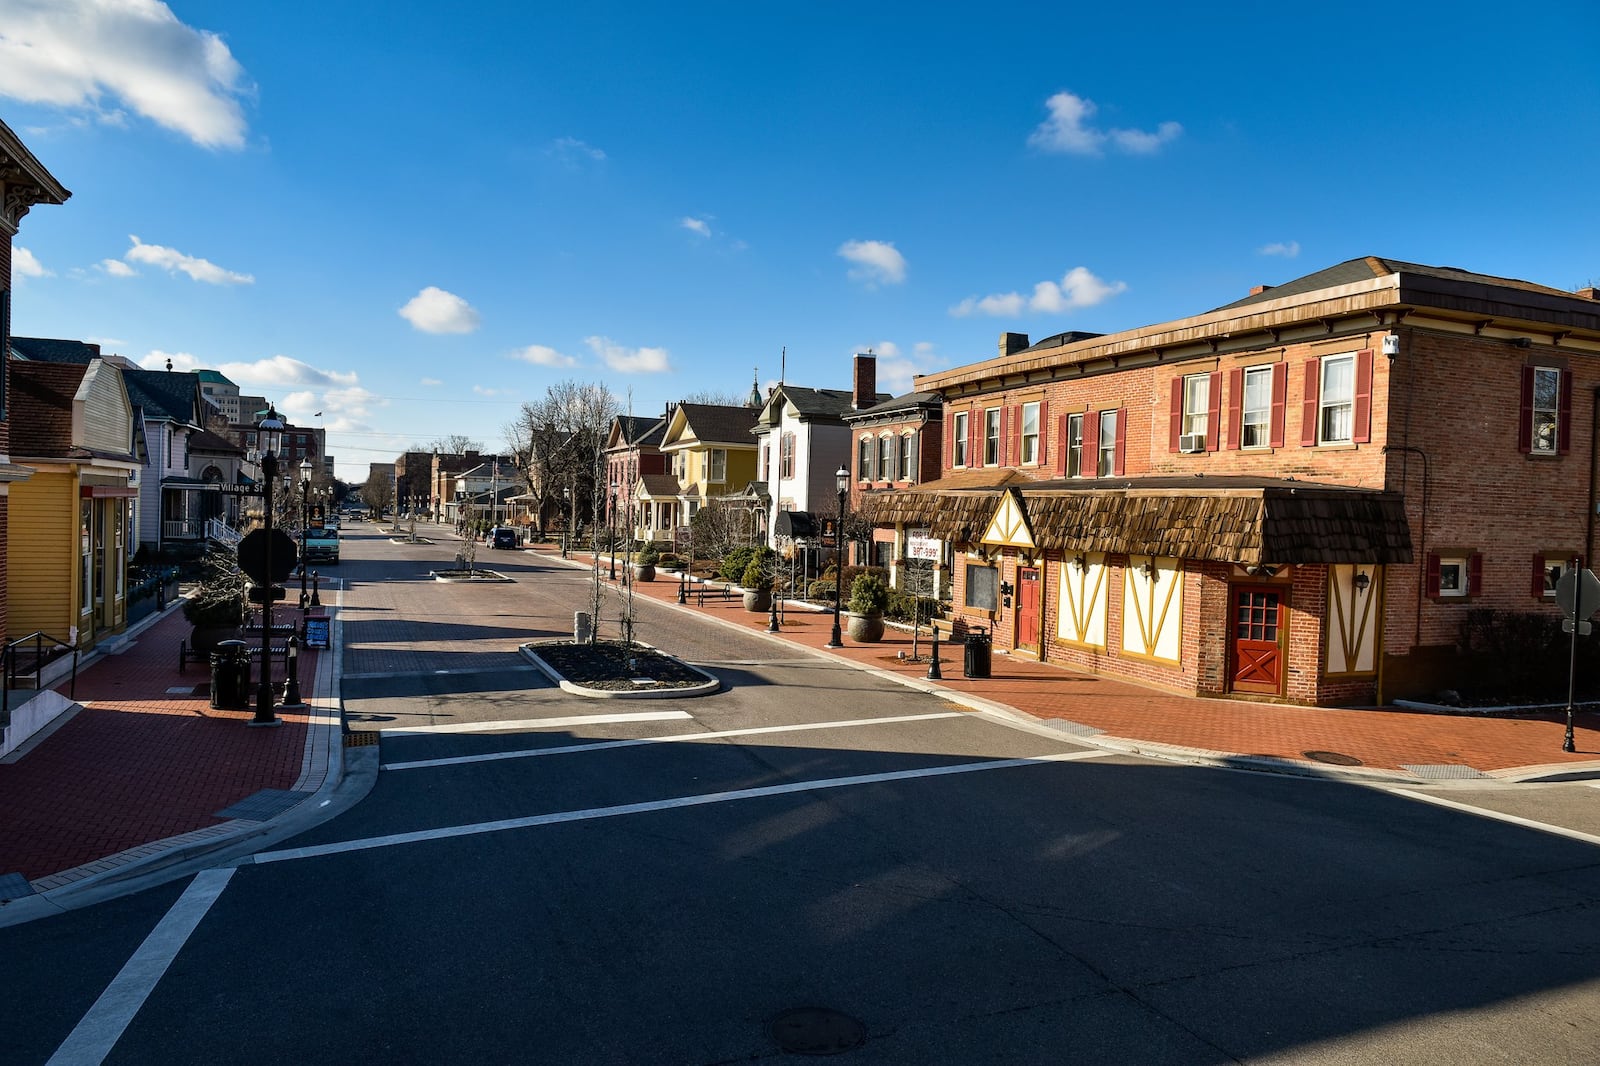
557 443
454 444
717 398
377 493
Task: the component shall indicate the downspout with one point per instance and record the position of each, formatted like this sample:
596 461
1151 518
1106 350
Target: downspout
1416 640
1594 447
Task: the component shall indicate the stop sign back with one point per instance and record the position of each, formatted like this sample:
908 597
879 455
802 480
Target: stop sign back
253 552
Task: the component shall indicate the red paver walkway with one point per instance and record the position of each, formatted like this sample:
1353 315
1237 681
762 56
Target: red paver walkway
139 763
1385 739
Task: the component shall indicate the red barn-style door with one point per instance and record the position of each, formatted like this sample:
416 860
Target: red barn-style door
1256 650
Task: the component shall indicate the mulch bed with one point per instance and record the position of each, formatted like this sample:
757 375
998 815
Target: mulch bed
611 665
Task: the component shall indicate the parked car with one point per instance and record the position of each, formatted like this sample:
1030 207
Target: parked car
502 537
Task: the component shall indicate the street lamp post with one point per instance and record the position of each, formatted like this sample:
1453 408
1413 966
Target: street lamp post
305 522
270 435
841 478
611 529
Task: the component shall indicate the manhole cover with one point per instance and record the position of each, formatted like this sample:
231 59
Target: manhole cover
816 1031
1336 758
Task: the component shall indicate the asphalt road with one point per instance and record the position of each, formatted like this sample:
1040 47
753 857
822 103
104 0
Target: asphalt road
528 882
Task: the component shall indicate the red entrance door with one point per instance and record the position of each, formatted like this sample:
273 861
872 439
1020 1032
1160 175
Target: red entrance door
1028 607
1257 653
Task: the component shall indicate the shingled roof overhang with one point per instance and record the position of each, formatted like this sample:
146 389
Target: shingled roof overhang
26 181
1249 521
1351 298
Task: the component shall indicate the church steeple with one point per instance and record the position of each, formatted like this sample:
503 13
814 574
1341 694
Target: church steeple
755 389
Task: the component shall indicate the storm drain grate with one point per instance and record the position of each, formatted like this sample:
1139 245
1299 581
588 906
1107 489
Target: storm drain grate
816 1031
1447 772
14 886
263 805
1333 758
360 738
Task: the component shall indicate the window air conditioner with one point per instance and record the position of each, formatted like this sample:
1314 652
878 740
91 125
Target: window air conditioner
1192 442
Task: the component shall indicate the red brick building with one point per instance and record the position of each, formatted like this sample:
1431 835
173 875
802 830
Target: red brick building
1295 496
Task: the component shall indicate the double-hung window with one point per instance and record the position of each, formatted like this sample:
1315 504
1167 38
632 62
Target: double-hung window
864 459
961 452
1074 445
717 466
786 446
1196 405
991 437
1106 463
1030 433
885 458
908 457
1255 425
1336 403
1546 409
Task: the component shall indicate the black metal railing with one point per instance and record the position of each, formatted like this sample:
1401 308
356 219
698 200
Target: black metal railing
19 660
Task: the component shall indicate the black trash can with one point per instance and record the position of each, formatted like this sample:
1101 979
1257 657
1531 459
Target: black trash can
230 676
978 651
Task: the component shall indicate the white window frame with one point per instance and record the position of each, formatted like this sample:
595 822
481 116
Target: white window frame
716 466
864 459
1334 409
1106 446
1555 568
1255 419
963 449
1074 445
1196 404
886 458
1030 434
991 436
908 457
1458 565
1546 430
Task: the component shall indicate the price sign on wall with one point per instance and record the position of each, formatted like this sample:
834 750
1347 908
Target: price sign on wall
920 546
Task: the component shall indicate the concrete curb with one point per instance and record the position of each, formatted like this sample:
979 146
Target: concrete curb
712 684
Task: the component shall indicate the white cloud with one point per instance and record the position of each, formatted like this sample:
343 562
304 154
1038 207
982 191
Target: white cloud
483 390
435 311
24 263
172 260
1287 249
117 268
629 360
1069 130
573 153
431 382
696 225
539 355
95 57
182 362
1077 288
284 371
876 262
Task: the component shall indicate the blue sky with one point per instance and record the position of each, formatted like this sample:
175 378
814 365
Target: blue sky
414 217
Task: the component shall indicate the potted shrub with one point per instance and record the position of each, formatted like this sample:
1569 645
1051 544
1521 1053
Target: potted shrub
757 581
216 611
644 562
864 611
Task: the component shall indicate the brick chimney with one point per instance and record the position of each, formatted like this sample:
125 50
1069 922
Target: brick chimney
1590 293
1011 343
864 394
1257 290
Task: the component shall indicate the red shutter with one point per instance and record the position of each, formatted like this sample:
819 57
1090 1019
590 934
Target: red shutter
1063 446
1308 408
1538 571
975 432
1475 574
1042 456
1016 435
1091 444
1361 432
949 441
1176 426
1432 586
1525 428
1214 411
1564 425
1117 462
1235 408
1280 401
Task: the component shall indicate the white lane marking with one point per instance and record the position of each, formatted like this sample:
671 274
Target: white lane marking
1483 812
542 723
531 821
99 1030
371 675
676 738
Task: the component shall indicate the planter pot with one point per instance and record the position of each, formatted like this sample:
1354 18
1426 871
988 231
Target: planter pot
644 572
864 628
759 600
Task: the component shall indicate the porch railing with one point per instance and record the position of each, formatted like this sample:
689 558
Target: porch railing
222 533
28 655
182 529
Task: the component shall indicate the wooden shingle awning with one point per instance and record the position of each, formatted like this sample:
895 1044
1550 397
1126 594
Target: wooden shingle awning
1249 521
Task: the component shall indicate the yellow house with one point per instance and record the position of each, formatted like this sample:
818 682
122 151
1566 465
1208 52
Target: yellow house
72 425
711 451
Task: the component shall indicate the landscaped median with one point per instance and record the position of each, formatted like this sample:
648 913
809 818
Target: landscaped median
617 671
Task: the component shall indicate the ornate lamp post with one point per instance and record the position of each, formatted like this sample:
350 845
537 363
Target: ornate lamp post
305 522
270 436
841 478
611 529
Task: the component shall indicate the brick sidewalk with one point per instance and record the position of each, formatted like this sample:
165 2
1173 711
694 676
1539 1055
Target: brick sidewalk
146 760
1442 746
